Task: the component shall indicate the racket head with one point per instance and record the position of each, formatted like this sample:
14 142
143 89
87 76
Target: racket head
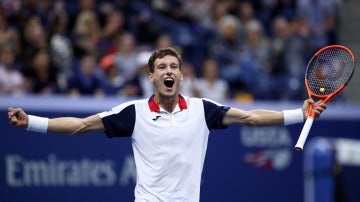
329 71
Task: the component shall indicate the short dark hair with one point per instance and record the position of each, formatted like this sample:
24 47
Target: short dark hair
162 52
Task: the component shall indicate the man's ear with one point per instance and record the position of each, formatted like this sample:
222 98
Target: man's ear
151 77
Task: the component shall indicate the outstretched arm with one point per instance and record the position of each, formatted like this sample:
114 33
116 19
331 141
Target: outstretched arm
253 117
63 125
269 117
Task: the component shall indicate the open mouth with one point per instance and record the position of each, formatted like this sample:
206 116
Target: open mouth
169 82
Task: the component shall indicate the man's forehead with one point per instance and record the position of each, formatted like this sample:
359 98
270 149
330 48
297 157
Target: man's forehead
168 59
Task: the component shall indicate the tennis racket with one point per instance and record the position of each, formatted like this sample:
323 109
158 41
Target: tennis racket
327 73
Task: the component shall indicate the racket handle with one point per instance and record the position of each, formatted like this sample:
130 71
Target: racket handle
304 133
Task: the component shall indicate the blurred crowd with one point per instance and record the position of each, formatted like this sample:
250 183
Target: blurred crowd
232 49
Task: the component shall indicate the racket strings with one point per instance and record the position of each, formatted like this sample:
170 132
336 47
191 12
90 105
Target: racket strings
329 70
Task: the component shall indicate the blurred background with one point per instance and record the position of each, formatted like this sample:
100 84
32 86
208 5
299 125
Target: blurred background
254 50
75 58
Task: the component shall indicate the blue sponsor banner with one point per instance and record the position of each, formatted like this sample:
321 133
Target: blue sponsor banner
242 164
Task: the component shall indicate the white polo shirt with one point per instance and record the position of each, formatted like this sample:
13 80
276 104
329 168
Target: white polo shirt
169 148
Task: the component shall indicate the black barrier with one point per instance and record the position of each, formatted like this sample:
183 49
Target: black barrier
242 164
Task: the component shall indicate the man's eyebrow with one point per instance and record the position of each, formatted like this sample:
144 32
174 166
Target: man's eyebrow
160 64
171 64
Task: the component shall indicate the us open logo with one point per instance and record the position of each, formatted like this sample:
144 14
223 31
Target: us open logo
268 147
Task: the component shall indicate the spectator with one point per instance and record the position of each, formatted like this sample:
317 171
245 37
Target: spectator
320 16
257 44
255 62
226 47
211 21
44 12
87 34
246 13
61 51
196 10
284 8
281 32
126 56
267 11
210 85
172 9
163 41
114 25
189 82
210 28
22 11
8 35
11 80
87 5
85 80
140 85
40 76
34 38
113 81
299 51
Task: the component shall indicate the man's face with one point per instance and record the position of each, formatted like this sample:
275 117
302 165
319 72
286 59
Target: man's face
166 76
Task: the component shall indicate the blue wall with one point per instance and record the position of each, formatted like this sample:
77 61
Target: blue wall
242 163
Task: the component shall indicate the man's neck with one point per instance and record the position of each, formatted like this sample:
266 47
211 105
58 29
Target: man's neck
167 103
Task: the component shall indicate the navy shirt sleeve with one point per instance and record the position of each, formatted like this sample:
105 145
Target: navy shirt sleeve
120 124
214 115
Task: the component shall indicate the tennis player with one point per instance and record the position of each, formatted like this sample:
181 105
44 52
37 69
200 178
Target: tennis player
169 132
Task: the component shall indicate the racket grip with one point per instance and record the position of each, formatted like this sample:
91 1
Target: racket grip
304 133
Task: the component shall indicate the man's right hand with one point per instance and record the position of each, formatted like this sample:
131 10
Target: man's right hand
18 117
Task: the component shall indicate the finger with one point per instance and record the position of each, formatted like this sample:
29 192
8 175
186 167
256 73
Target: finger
10 111
321 107
16 111
319 102
319 110
13 111
307 103
310 101
13 120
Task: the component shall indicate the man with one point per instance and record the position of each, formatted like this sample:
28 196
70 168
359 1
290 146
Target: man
169 132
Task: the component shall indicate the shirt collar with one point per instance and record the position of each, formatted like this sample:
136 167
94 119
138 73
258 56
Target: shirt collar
154 107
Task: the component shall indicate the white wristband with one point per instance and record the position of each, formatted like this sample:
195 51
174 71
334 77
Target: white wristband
293 116
38 124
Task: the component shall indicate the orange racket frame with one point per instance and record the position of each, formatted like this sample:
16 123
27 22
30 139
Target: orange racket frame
325 98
